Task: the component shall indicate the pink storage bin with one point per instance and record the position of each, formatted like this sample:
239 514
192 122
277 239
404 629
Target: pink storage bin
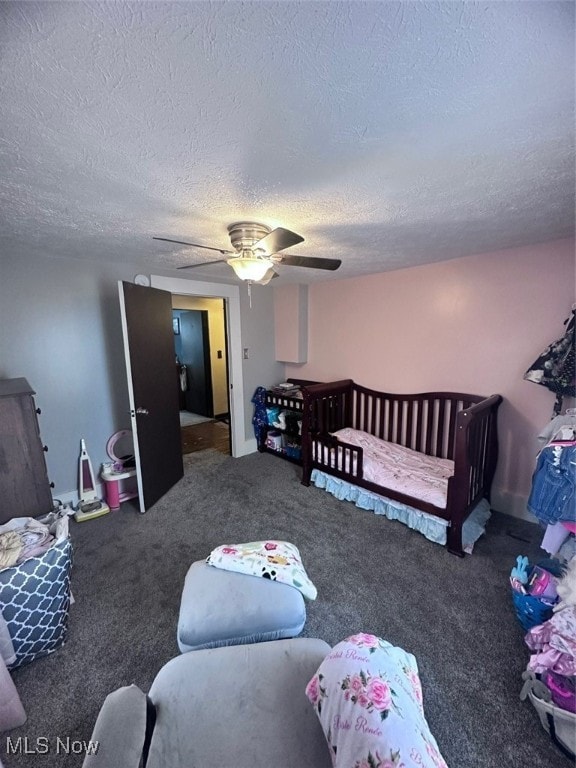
562 689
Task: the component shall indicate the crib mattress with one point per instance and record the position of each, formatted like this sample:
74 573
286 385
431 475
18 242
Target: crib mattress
401 469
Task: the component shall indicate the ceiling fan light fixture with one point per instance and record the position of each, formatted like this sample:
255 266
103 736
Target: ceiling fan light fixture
268 276
250 268
257 250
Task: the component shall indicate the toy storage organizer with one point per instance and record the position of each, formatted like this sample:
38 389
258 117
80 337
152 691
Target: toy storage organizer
277 440
119 475
35 595
115 491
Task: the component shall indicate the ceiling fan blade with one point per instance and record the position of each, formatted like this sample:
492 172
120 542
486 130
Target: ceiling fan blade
291 260
270 275
203 264
194 245
278 240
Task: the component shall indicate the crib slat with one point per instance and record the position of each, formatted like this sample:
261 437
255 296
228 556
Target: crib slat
419 423
364 412
409 422
401 423
451 429
396 411
428 425
440 428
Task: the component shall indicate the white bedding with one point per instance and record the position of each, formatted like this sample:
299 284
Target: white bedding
401 469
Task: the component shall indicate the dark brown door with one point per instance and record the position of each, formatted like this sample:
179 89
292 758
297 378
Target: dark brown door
154 411
195 345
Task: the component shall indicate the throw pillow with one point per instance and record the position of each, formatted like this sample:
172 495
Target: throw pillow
276 560
368 697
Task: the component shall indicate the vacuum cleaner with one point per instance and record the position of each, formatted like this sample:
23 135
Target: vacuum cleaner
89 505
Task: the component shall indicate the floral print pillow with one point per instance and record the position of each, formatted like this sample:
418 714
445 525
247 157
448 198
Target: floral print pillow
368 698
271 559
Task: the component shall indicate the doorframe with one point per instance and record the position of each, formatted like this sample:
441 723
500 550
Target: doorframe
231 295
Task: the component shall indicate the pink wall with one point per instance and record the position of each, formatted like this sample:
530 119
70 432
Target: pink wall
470 325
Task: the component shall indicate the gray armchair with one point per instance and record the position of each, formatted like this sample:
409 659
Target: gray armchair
240 706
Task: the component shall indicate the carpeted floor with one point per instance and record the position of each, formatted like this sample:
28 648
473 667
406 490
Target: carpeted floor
372 575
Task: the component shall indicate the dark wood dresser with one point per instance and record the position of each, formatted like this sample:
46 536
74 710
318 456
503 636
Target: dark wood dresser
25 490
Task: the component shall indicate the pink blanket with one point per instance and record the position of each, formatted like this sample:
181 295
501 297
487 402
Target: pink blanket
401 469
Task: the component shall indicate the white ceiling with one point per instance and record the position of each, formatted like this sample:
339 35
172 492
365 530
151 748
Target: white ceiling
387 134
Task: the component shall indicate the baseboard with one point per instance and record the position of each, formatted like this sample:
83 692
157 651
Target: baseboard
244 448
71 497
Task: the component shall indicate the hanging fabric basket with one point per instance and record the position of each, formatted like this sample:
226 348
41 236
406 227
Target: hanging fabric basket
555 367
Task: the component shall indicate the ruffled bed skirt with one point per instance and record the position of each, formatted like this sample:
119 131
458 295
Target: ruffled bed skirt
433 528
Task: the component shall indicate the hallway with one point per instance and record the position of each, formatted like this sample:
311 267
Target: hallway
208 434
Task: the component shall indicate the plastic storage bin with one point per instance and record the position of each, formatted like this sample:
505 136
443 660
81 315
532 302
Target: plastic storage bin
533 593
531 610
558 723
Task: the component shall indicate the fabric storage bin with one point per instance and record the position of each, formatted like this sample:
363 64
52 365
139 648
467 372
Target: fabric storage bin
35 595
294 451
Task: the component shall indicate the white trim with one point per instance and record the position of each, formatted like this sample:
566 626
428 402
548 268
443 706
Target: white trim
231 293
250 445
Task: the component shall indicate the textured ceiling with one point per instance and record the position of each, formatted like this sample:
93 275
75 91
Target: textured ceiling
387 134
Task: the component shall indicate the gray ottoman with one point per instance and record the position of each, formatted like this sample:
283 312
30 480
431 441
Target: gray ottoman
224 608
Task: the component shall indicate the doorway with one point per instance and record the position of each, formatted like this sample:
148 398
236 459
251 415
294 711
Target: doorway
154 412
194 374
239 421
200 345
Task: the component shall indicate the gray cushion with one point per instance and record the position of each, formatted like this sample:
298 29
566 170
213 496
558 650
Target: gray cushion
221 608
243 706
120 730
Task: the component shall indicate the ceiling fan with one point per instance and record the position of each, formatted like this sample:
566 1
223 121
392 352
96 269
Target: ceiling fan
256 252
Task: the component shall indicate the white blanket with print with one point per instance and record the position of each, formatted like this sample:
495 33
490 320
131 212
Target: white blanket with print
271 559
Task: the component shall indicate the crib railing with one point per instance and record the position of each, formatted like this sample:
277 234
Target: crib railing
327 407
476 452
423 422
449 425
336 457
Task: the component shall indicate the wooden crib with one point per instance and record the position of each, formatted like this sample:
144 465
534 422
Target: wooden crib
448 425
